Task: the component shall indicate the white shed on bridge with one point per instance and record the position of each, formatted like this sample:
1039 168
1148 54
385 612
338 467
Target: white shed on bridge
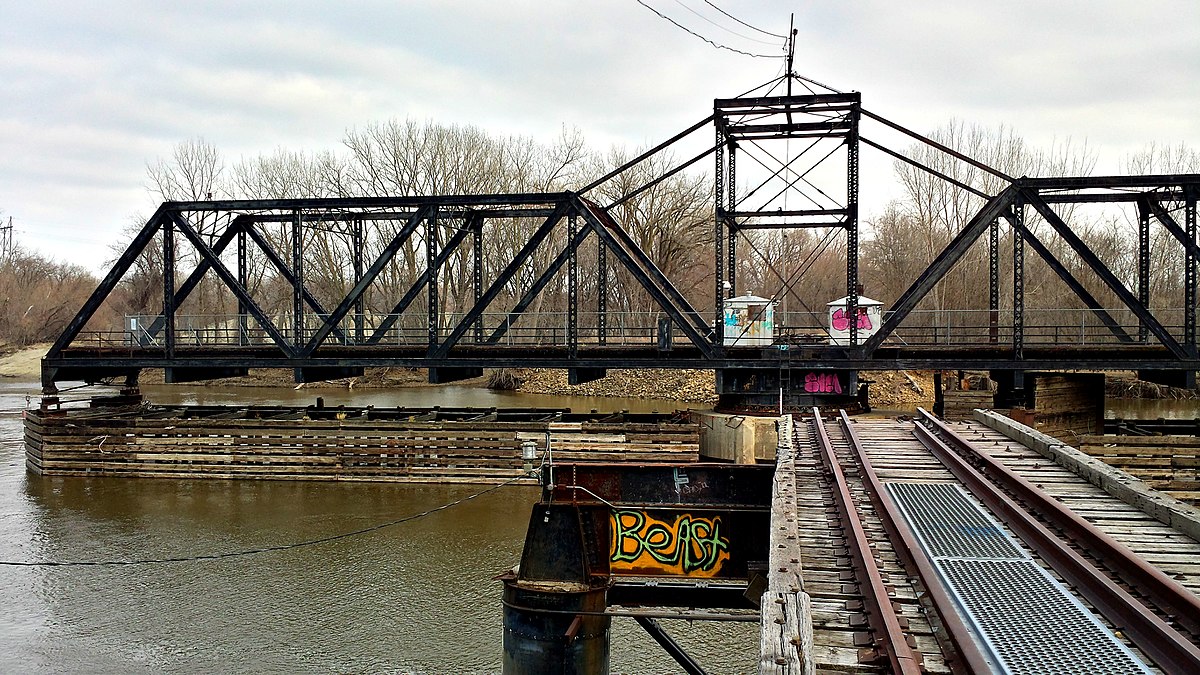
870 315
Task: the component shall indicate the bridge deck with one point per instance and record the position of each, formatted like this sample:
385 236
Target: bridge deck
828 618
1094 357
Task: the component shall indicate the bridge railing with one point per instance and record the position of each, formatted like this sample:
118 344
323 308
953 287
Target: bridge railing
543 328
928 327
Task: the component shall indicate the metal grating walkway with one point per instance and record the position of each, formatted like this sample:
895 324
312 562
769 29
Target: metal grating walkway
1027 620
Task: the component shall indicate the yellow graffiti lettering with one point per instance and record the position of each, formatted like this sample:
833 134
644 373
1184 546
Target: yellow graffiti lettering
689 546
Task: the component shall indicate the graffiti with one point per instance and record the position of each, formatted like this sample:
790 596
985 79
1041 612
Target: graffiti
842 324
822 383
689 546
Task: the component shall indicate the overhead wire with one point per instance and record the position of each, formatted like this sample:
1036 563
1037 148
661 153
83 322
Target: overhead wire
695 34
788 283
727 30
764 32
255 551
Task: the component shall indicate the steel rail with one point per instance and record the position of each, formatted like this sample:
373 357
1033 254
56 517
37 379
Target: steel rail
1169 648
1176 601
964 639
889 635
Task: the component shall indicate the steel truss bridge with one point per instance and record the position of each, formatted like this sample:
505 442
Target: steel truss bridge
572 242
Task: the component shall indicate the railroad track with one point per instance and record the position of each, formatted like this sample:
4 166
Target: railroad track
918 538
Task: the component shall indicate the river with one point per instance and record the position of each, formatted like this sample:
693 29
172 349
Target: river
417 597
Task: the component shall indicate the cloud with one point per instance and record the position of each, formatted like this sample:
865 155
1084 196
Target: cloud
95 91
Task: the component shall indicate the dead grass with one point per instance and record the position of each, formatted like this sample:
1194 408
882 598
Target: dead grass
23 363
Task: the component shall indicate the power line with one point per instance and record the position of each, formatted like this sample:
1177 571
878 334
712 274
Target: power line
253 551
694 33
727 30
764 32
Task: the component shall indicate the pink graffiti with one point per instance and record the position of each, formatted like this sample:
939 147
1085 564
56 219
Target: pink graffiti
822 383
840 323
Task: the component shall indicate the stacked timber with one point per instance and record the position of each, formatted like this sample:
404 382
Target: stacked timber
480 446
1069 405
1167 463
959 403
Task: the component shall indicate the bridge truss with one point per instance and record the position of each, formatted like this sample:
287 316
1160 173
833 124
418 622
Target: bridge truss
453 283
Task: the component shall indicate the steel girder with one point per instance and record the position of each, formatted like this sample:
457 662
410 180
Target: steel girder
302 348
743 127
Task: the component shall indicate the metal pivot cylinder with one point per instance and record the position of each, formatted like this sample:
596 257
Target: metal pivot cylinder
544 634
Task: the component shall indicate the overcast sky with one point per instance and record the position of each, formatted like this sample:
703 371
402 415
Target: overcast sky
94 91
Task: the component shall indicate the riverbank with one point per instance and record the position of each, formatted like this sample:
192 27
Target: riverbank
22 363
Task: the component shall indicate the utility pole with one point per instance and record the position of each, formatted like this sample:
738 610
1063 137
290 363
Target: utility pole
791 53
6 239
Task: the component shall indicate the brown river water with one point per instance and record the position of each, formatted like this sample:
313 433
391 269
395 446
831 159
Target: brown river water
417 597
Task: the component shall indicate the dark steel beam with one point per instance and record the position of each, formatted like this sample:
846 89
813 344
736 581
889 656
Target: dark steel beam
719 224
539 284
1069 279
981 357
110 281
357 264
652 279
298 287
852 225
350 203
1172 226
783 214
796 104
663 177
505 276
1106 197
827 128
1018 303
685 661
912 162
231 283
640 264
475 224
385 256
432 305
934 144
285 271
415 289
1143 262
731 195
243 275
1089 257
640 158
945 260
1148 181
792 225
193 280
994 282
168 279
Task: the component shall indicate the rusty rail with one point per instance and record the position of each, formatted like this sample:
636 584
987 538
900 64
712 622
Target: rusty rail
972 659
1169 648
889 635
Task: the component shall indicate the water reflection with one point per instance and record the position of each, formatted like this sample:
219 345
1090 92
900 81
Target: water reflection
447 395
